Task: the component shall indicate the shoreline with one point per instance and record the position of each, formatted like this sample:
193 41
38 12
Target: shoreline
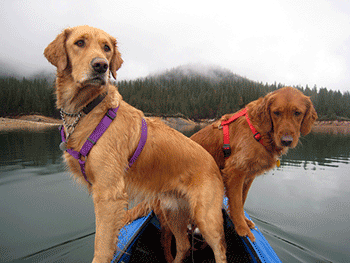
40 123
28 123
332 127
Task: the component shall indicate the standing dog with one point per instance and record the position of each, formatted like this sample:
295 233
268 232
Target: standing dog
279 117
171 167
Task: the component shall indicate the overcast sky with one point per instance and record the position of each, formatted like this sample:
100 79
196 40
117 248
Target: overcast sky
294 42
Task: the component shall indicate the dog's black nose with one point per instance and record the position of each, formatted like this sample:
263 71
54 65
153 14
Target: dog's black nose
100 65
286 140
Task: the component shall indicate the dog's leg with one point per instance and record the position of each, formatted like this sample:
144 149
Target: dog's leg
212 231
138 211
234 181
109 214
209 219
167 236
177 221
246 187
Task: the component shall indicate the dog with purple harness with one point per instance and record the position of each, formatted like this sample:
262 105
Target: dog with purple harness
121 155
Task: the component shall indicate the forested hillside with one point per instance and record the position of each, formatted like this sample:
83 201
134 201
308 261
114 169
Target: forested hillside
195 94
26 96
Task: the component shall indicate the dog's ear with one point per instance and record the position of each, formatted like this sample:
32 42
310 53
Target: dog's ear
116 61
259 112
309 118
56 52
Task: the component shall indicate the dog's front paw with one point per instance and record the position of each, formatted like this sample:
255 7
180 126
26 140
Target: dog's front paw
245 231
250 223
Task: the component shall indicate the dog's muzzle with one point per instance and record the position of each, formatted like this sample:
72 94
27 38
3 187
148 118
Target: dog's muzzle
98 76
99 65
286 140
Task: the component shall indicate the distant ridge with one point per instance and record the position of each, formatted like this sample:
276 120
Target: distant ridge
210 72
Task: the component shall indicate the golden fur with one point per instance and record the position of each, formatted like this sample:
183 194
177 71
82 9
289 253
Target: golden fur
280 117
171 168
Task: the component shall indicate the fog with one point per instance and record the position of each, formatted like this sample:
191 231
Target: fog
290 42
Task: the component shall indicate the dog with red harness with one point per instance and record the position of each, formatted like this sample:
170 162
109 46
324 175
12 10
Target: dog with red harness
250 142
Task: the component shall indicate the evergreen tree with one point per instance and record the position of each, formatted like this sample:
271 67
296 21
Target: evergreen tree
193 96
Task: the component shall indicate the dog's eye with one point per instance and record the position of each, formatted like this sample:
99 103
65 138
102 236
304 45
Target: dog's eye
106 48
80 43
297 113
277 113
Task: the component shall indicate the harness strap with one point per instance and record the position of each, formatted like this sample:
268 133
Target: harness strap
97 134
235 117
141 144
92 140
257 135
226 147
99 131
226 133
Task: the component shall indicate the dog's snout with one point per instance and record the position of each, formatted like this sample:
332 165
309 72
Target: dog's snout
286 140
100 65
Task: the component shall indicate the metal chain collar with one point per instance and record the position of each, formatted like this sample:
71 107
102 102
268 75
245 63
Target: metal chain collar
70 127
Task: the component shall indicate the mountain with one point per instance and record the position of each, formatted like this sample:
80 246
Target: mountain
210 72
10 69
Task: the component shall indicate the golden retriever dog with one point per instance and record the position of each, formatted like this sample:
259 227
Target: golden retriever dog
280 117
171 167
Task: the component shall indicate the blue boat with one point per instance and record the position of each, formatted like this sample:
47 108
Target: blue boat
139 242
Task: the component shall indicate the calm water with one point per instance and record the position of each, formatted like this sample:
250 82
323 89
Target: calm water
302 208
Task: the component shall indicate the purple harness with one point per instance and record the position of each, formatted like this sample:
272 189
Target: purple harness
97 134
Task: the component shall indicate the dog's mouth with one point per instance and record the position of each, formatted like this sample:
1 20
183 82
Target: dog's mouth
95 81
287 141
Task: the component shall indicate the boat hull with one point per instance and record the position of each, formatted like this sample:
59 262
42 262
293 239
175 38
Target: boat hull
139 242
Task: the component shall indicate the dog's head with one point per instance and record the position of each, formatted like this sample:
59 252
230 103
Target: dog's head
89 53
286 113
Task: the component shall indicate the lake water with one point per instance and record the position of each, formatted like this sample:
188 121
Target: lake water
302 207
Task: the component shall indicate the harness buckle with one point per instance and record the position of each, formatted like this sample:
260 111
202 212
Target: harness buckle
111 114
257 136
227 150
90 140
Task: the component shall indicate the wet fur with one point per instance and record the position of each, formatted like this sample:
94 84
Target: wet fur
171 166
284 112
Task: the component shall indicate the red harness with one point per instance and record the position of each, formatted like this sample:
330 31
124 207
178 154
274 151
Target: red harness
225 129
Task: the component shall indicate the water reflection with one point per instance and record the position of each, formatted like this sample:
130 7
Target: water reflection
319 150
29 148
41 148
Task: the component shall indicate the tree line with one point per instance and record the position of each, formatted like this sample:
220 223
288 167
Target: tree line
202 98
27 96
195 97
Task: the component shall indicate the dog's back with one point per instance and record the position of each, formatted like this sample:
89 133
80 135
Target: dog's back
211 139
